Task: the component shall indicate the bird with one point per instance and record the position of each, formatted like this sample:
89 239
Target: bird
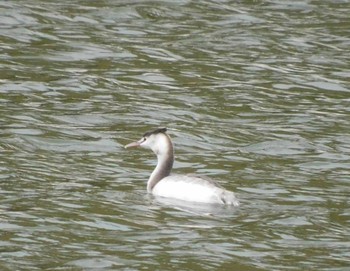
181 187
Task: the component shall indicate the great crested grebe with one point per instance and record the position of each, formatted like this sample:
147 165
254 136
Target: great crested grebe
183 187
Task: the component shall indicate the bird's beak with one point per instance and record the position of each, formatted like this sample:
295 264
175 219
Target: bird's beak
133 144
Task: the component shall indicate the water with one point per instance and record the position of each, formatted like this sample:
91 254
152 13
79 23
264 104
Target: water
255 95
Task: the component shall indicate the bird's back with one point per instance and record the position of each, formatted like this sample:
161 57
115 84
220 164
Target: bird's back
195 189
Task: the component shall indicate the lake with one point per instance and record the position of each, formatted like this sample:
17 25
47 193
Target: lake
255 94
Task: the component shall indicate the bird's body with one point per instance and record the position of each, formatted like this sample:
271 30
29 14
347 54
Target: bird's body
194 189
182 187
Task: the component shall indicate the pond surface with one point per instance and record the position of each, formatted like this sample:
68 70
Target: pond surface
255 95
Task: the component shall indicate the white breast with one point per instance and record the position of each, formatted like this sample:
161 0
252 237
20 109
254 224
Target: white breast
193 189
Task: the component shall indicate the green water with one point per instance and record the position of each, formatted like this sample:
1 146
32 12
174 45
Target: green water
255 95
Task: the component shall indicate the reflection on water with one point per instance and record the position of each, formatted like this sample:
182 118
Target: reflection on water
255 95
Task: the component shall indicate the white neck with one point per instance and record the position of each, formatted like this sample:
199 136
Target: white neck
164 165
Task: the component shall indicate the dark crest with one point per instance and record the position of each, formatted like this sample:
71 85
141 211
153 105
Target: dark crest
157 131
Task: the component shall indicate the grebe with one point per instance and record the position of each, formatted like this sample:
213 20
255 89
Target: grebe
183 187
